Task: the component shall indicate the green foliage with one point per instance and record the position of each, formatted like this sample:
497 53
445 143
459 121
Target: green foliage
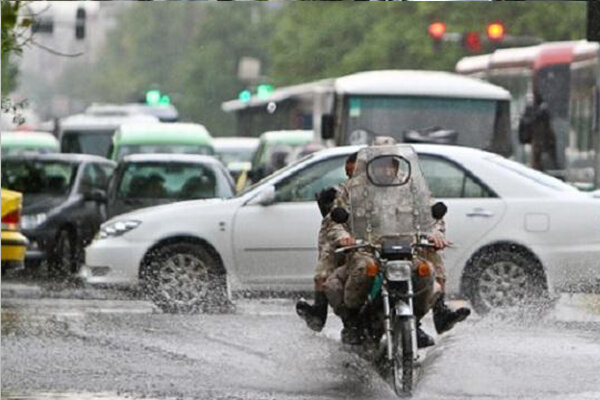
318 40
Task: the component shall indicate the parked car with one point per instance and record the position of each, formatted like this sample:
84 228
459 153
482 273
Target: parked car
236 153
145 180
13 242
514 229
89 134
274 151
158 137
27 141
63 203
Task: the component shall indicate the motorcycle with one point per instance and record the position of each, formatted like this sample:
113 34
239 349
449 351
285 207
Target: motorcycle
402 292
390 216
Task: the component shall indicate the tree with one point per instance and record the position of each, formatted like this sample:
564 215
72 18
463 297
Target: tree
318 40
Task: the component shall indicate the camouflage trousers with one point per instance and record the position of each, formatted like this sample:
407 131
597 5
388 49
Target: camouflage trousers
349 285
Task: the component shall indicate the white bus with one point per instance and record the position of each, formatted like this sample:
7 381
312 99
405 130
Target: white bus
412 106
566 75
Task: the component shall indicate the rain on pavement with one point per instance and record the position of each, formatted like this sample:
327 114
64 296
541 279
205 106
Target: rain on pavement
93 345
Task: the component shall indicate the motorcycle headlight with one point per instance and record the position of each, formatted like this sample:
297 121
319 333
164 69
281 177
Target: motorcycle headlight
398 271
32 221
117 228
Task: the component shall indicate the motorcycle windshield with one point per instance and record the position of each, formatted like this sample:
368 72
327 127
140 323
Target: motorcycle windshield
388 194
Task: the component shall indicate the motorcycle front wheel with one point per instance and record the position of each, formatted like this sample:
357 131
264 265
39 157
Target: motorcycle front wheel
403 357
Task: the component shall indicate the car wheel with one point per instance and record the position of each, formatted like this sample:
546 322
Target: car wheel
63 261
503 278
184 278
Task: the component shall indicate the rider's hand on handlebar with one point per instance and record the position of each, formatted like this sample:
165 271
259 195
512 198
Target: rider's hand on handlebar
347 241
438 240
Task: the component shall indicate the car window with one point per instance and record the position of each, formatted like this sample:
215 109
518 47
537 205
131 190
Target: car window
305 183
33 177
448 181
178 181
89 179
531 174
103 174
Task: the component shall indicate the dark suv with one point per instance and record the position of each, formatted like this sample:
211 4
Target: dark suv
64 199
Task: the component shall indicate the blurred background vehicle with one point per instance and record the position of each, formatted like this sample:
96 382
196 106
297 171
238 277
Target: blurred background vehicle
145 180
14 243
63 204
27 141
517 232
236 153
274 149
158 137
566 77
346 108
164 112
88 134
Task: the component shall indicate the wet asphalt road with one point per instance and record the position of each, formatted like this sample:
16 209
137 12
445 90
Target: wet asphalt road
97 344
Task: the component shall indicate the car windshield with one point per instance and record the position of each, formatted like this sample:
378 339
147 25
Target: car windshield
472 119
531 174
173 180
234 154
164 149
38 177
87 142
276 173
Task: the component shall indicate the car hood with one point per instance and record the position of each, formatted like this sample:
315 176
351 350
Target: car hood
41 203
177 208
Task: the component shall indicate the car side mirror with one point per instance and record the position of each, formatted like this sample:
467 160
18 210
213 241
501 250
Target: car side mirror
265 197
97 195
438 210
327 126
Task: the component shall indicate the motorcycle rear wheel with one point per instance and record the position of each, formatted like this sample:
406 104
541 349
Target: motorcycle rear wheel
403 357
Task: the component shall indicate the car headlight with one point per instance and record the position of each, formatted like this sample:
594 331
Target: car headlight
32 221
117 228
398 270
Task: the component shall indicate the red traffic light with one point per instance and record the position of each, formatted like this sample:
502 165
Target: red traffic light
472 42
495 31
436 30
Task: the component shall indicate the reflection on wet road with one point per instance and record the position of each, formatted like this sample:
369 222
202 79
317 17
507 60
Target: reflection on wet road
116 349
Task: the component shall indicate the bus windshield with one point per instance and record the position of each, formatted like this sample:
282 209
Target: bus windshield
87 142
472 119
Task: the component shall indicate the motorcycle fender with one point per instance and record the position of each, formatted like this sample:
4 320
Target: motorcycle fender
403 309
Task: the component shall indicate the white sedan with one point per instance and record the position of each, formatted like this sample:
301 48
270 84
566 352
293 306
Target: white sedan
515 231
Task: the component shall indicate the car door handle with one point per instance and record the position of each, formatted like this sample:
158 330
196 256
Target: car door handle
480 212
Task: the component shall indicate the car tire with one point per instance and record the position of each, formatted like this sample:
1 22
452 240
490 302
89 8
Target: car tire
504 277
185 277
63 260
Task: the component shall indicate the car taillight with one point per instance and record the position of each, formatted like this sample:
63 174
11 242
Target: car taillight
10 222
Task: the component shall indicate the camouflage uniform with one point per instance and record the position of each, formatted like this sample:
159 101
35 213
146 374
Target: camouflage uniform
330 235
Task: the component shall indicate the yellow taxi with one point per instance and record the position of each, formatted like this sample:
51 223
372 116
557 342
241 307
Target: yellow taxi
14 244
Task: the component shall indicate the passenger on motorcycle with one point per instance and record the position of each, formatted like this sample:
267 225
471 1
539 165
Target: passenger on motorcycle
331 236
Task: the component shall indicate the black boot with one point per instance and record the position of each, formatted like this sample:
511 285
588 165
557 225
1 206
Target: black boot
352 333
315 316
444 318
423 339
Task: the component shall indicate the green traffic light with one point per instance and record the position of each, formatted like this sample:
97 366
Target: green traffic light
153 97
264 90
245 95
165 100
